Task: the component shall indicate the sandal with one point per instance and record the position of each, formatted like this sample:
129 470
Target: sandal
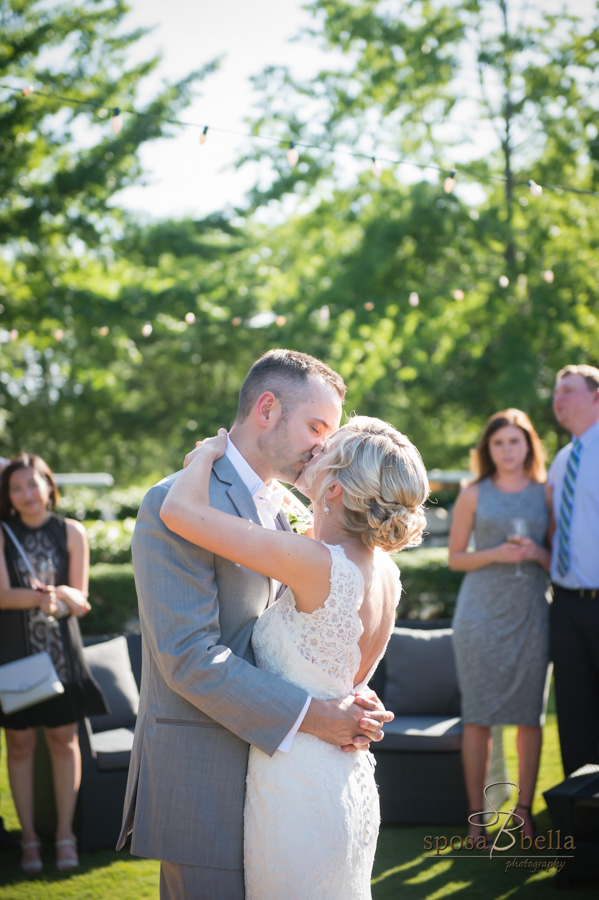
528 817
68 858
31 866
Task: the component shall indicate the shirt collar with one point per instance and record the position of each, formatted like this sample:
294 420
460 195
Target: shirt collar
587 437
252 481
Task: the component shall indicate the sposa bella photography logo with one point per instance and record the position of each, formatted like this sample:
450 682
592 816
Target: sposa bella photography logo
510 836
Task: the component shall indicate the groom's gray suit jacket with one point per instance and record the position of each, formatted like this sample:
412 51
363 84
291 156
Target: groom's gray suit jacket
202 699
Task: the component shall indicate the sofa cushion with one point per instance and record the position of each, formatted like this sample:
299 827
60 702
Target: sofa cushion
432 734
112 749
111 667
420 675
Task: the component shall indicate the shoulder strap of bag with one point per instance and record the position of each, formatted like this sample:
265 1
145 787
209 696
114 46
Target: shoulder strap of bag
27 562
24 556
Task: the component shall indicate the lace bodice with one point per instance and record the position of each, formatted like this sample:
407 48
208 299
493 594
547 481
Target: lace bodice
318 651
311 814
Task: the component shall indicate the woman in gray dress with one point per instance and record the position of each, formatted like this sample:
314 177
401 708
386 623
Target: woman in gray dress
501 623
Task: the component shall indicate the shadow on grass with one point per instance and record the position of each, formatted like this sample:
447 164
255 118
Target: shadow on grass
405 867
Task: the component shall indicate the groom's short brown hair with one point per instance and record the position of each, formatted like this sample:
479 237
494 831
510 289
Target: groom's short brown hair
285 373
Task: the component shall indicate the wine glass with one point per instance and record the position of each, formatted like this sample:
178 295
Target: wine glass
519 531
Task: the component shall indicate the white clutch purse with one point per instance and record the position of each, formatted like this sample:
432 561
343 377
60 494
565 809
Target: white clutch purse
28 681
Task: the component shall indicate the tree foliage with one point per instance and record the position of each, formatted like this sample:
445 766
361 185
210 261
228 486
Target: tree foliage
441 308
122 341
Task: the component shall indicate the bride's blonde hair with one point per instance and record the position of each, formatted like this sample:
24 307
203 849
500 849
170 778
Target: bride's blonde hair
383 480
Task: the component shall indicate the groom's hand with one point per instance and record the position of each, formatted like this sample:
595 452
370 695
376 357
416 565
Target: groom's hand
346 723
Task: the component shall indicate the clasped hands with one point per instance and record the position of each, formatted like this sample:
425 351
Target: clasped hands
351 723
61 600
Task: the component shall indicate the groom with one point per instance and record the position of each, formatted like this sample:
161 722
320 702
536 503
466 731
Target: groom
203 701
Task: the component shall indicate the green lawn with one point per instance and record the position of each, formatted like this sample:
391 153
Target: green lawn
403 868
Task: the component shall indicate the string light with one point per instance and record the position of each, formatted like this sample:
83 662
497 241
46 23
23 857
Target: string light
28 90
58 334
236 320
117 121
103 331
146 330
280 321
535 189
413 299
449 183
204 135
458 295
375 168
503 281
293 154
190 318
369 305
548 276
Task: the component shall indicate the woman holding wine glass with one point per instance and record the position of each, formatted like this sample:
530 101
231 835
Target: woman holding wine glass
44 566
501 623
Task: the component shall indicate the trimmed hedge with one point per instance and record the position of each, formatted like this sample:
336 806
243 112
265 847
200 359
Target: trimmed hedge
90 503
113 600
430 588
429 591
110 542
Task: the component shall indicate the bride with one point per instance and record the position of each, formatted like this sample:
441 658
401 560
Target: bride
312 814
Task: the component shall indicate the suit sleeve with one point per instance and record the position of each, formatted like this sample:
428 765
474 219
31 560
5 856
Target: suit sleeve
179 608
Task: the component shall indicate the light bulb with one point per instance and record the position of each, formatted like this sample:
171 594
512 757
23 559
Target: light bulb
204 135
292 154
548 276
458 295
375 168
413 299
146 330
28 90
535 189
503 281
190 318
449 183
117 121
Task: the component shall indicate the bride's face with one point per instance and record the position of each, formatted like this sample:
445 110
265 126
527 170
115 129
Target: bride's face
314 469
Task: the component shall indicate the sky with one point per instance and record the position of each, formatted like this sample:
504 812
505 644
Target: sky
183 177
186 178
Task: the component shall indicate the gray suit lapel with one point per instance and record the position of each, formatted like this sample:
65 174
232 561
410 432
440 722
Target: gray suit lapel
237 492
242 500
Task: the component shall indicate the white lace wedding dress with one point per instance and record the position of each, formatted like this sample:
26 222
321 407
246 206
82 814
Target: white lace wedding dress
312 815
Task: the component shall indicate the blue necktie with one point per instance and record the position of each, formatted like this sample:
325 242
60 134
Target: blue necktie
567 508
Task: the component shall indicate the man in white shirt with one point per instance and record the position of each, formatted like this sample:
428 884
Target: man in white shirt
202 699
573 495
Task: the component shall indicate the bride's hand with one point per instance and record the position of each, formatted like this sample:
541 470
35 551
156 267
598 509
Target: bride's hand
213 447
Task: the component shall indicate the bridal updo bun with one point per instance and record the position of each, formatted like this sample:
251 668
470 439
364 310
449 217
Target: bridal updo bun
383 480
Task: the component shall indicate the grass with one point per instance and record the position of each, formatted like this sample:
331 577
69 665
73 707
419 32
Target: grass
403 867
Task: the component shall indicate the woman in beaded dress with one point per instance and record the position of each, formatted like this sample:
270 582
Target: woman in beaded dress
39 613
501 622
311 814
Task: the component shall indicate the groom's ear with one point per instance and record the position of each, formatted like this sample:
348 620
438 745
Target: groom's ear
268 409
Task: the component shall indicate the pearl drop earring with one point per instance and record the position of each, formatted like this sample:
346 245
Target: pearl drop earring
326 508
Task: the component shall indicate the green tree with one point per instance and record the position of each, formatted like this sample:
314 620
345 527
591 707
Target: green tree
75 364
441 307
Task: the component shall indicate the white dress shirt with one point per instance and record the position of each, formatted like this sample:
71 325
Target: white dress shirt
584 527
254 483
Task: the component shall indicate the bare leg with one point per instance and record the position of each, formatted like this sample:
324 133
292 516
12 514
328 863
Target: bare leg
529 741
63 744
476 754
20 747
